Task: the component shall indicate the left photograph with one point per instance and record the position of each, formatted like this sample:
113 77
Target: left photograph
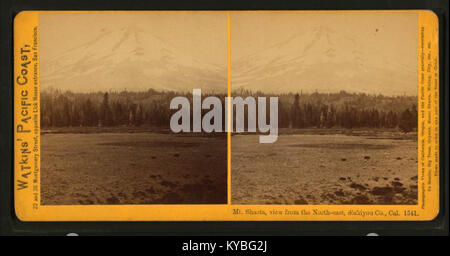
107 81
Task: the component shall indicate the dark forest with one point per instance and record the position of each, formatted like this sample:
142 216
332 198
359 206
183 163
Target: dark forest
295 110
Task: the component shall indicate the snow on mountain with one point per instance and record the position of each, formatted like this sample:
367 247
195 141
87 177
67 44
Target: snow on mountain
133 59
320 60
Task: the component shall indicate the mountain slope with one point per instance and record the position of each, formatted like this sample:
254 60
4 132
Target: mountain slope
321 60
133 59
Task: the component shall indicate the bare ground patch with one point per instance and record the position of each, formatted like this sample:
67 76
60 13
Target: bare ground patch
324 169
135 168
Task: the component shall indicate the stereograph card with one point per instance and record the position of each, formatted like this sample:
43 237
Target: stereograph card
226 115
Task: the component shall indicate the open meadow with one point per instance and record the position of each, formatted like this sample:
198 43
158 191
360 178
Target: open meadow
133 168
312 168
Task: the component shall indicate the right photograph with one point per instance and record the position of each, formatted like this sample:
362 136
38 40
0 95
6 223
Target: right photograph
347 108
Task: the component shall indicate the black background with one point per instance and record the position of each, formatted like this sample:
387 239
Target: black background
10 225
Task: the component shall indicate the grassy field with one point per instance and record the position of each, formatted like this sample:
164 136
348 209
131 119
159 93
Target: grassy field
371 167
132 168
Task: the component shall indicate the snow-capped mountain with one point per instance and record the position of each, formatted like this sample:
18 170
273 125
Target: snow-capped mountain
133 59
322 60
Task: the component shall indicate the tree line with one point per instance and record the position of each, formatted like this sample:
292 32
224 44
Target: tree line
295 110
322 115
